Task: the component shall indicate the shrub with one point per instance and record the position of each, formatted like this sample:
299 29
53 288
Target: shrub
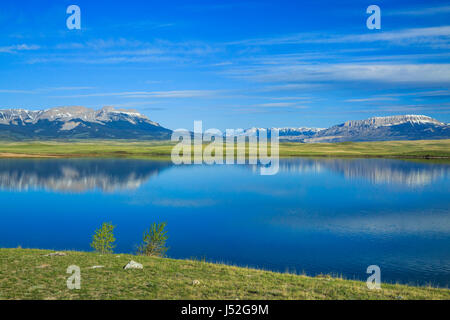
154 241
103 239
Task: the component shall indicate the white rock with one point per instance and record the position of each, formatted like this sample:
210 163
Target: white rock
133 265
56 254
195 282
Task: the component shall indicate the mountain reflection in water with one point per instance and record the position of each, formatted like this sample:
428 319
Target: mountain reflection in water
108 175
378 171
80 175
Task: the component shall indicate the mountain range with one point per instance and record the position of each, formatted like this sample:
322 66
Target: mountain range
79 123
111 123
405 127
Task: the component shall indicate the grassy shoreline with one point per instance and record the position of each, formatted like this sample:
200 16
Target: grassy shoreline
30 274
418 149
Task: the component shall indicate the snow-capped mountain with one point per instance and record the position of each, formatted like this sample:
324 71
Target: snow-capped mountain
296 134
285 134
111 123
406 127
79 122
393 121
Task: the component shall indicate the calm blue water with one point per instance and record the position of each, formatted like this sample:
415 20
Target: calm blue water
315 216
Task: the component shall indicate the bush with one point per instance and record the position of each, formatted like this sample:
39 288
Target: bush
103 239
154 241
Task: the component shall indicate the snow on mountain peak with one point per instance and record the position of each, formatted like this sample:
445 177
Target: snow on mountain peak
393 120
65 114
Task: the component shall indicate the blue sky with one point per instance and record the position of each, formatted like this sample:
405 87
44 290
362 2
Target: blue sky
229 63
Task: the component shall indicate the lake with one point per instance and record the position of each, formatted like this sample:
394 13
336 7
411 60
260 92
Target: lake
329 216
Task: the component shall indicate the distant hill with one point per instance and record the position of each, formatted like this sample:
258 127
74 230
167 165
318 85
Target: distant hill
78 123
286 134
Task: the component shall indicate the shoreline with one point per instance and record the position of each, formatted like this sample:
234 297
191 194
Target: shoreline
408 149
35 275
167 158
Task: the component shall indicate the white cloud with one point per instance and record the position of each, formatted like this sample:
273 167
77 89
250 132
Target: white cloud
418 35
150 94
19 47
117 51
44 90
387 73
277 104
17 91
372 99
433 35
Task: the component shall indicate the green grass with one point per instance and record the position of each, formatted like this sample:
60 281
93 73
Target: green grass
395 149
162 149
91 148
28 274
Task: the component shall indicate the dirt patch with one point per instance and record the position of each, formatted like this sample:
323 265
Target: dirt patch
24 155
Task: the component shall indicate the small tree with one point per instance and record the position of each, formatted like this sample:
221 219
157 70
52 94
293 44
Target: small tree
154 241
103 239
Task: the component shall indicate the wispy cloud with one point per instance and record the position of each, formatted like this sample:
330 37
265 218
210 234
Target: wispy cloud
433 93
280 105
13 91
121 50
149 94
290 98
44 90
287 86
18 47
387 73
433 35
411 108
372 99
80 59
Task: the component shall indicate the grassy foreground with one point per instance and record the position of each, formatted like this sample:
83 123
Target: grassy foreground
145 149
29 274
